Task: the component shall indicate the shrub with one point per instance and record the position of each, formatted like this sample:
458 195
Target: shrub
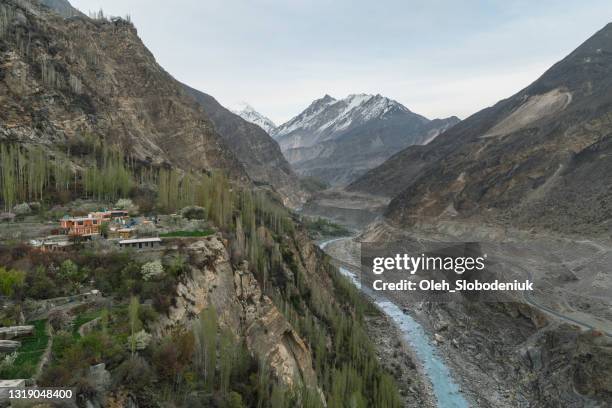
127 204
22 209
193 212
70 272
11 281
35 206
146 230
60 320
234 400
140 340
135 373
152 270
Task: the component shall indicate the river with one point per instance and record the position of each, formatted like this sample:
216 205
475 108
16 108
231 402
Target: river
445 388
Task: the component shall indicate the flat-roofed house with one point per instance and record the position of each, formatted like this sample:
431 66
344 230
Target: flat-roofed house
141 243
52 243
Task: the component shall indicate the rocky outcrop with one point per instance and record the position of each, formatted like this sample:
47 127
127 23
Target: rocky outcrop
238 299
269 332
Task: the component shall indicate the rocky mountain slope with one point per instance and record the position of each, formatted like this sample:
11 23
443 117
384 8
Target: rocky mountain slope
338 140
67 81
260 154
63 7
248 113
538 158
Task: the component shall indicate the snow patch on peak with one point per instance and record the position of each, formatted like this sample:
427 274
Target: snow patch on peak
248 113
327 118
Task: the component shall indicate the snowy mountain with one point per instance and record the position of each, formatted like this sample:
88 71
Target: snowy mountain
338 140
327 118
246 112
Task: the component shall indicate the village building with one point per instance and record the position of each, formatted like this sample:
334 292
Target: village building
81 226
52 243
141 243
121 233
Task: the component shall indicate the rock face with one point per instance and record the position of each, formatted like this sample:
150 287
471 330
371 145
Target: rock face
270 333
539 158
261 155
237 296
338 140
66 81
521 358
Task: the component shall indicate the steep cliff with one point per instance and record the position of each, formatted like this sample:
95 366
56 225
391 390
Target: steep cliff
237 296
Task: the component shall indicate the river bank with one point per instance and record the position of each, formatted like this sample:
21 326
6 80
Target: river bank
442 390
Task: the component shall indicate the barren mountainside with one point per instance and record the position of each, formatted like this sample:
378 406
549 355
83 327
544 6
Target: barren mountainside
540 157
63 81
259 153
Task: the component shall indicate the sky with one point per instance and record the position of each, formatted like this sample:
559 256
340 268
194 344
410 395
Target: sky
438 58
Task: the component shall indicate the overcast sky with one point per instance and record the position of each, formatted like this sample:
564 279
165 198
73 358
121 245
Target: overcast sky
439 58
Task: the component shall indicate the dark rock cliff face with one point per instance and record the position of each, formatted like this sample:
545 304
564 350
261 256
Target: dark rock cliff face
260 154
538 158
62 80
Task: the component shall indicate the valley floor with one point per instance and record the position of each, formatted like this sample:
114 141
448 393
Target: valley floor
502 354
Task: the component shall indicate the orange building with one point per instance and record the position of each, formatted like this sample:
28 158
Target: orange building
81 226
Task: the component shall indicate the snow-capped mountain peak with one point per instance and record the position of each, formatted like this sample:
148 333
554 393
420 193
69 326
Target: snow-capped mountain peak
336 140
248 113
327 115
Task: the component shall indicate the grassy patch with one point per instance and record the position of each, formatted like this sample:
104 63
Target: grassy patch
175 234
83 318
320 227
29 354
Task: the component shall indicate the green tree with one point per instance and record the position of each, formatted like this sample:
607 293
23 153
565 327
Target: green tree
134 321
11 281
70 272
205 333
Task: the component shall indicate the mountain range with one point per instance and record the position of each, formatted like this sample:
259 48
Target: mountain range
538 158
336 140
